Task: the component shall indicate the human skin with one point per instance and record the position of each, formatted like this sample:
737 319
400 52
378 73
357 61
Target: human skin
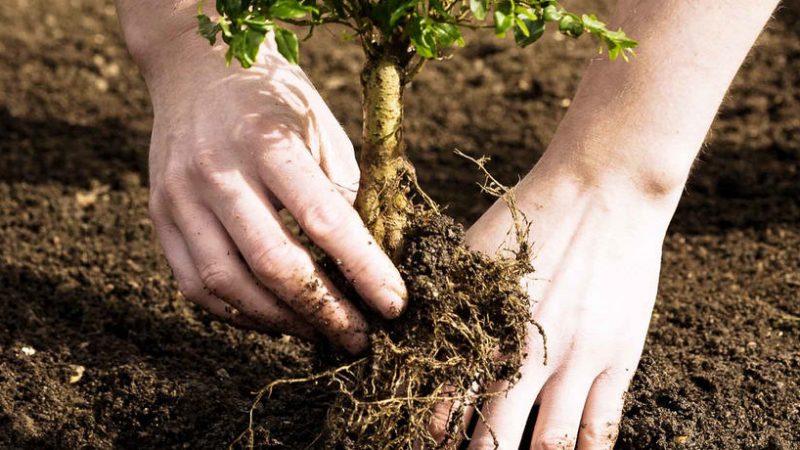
600 200
231 147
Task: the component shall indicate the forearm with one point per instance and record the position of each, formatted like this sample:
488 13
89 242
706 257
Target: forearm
640 124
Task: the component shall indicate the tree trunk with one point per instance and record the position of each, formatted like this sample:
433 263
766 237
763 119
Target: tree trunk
386 174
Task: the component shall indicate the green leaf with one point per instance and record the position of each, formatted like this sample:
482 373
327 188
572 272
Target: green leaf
617 42
288 10
400 11
592 24
257 23
503 18
522 27
207 28
288 45
229 56
527 13
552 14
534 28
478 8
421 38
388 13
619 45
245 45
446 34
230 8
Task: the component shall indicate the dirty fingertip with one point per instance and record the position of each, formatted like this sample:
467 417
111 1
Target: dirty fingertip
394 303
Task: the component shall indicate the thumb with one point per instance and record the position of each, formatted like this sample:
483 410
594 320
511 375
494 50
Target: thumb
338 160
331 148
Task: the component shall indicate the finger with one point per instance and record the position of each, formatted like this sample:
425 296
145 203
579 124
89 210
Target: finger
334 226
286 268
600 423
337 158
446 412
504 416
329 144
225 276
189 282
563 399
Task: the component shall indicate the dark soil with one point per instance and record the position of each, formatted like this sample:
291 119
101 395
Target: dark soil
82 282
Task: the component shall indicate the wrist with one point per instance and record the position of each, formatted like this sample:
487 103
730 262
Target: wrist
158 33
639 167
561 206
556 188
611 194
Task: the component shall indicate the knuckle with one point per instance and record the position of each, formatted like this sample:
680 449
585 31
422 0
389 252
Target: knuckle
348 185
273 262
275 126
205 166
596 435
363 267
250 131
193 290
216 278
342 324
555 440
173 190
322 219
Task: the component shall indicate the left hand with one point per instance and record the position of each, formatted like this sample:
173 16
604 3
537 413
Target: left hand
230 149
596 255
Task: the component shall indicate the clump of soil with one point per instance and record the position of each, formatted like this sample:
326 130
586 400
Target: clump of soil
465 309
84 283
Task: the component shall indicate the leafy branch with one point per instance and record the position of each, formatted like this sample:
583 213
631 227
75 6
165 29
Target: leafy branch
425 28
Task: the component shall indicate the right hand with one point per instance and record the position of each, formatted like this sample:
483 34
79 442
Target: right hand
596 251
230 148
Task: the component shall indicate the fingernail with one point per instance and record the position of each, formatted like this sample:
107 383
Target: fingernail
396 301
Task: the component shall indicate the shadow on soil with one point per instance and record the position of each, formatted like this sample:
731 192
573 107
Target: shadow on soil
33 151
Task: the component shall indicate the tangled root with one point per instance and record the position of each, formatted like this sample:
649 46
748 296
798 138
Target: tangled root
465 326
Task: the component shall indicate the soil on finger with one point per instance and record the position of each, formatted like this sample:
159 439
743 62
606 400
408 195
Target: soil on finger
83 284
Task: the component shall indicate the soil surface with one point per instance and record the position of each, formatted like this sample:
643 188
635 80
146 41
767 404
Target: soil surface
98 349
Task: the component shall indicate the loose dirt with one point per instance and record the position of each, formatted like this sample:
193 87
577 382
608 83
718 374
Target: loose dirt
82 283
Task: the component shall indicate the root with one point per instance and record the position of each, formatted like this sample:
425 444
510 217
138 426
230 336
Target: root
464 309
497 189
266 391
522 225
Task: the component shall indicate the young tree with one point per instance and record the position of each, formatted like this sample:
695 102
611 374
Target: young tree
398 37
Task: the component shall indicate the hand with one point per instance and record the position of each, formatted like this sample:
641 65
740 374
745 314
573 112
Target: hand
596 255
232 147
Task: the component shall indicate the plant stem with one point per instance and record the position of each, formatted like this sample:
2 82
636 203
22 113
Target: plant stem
386 174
